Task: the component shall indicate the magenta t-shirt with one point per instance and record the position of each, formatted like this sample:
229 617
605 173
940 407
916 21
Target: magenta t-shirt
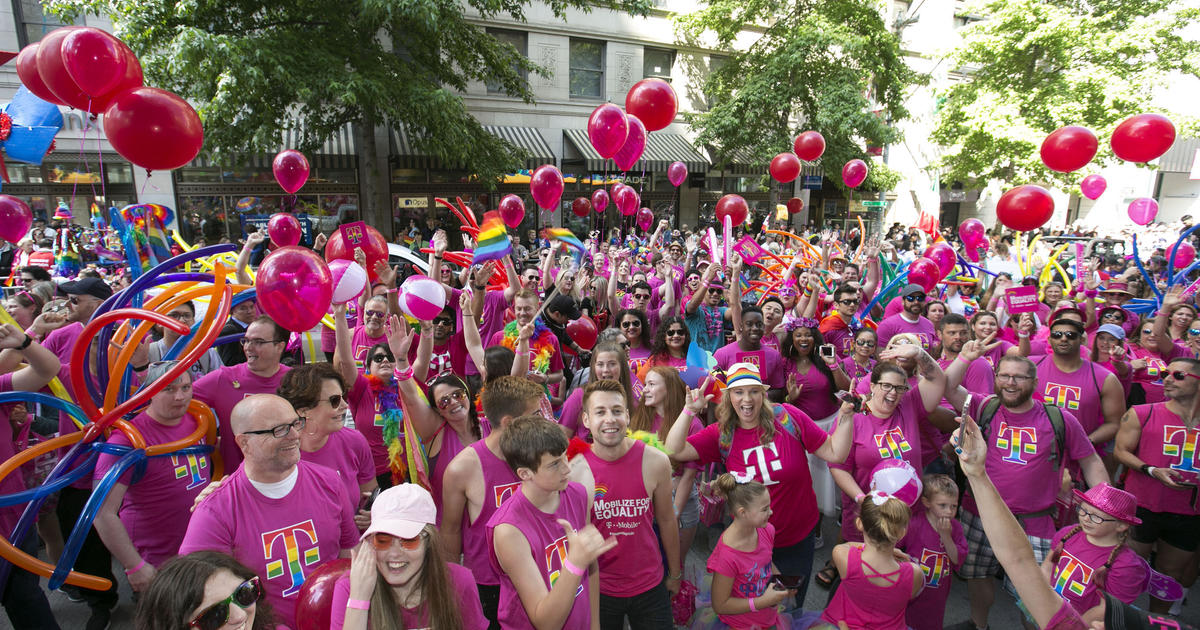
361 343
842 340
1075 572
638 358
571 414
781 466
771 366
924 545
547 546
445 358
460 580
1166 442
556 362
857 372
367 421
500 484
156 509
896 324
624 510
1077 392
62 341
816 389
1151 376
345 453
222 390
12 482
751 573
281 540
1020 448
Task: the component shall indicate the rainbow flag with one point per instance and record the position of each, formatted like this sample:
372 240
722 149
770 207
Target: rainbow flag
493 243
563 235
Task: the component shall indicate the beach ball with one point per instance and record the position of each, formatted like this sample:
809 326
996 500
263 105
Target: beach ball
422 298
349 280
897 478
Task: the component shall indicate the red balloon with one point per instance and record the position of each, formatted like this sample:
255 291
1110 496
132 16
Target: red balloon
653 101
924 272
1025 208
15 218
375 247
512 211
943 256
131 79
284 229
53 70
1069 148
582 206
645 219
583 332
795 205
27 71
734 206
1143 137
314 604
809 146
291 170
785 167
94 60
153 128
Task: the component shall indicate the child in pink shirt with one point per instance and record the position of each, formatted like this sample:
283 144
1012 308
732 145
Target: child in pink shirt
743 593
934 541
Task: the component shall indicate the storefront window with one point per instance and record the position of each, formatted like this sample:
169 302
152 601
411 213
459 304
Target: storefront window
408 175
340 207
334 175
205 175
71 174
241 174
448 176
24 174
712 183
119 173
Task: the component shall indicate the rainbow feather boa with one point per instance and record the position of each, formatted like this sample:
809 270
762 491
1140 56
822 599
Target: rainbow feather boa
406 453
540 346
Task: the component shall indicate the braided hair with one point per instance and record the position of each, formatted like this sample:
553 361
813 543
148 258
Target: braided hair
1102 572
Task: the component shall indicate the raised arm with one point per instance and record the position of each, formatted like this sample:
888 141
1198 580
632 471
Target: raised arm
514 280
420 366
254 239
1162 322
425 419
470 330
677 443
933 380
668 300
693 304
343 354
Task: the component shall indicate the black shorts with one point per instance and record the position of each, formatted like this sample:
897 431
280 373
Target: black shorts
1178 530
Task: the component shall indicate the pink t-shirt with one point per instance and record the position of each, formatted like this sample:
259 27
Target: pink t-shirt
156 509
367 421
1166 442
500 484
361 343
1020 448
816 389
1076 392
460 580
864 605
1066 619
623 509
771 366
1151 376
62 341
841 338
449 357
13 481
980 378
345 453
638 358
896 324
451 446
856 371
281 540
571 414
556 362
781 466
548 549
751 573
924 544
225 388
1075 572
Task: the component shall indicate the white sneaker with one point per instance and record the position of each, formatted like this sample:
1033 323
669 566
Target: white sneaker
818 541
1176 608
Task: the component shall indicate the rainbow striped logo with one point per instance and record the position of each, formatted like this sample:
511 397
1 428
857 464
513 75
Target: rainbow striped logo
601 491
892 444
1064 575
189 467
935 565
504 492
1016 441
1185 450
556 555
291 566
1064 396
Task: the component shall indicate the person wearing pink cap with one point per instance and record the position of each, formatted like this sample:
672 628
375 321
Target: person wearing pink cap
398 575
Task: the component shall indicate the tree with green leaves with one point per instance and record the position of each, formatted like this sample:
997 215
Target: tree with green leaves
834 66
1032 66
254 68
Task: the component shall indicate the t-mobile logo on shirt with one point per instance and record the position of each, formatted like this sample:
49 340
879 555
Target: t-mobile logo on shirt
892 444
1064 578
189 467
1065 396
1016 441
556 555
935 565
504 492
760 464
290 564
753 358
1185 450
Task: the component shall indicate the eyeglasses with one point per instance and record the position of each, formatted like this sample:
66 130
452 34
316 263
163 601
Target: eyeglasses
379 314
281 430
381 357
914 298
382 542
443 321
1014 378
257 342
1071 335
245 595
676 332
1180 375
711 291
1148 331
335 400
634 324
457 395
847 301
181 317
1095 519
889 387
866 343
74 299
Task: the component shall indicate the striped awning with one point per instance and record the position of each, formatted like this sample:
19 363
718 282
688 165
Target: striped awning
743 161
661 149
1182 157
338 151
405 153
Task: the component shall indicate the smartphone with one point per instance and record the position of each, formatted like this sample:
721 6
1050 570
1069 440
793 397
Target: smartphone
851 398
788 582
369 500
826 351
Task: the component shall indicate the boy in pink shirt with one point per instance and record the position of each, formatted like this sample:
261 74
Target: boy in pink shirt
934 541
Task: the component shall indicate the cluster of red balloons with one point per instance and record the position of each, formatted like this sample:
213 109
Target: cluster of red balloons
91 70
650 105
807 146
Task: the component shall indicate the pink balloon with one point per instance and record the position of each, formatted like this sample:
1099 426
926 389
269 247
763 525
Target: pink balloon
924 272
635 145
677 172
607 129
512 210
291 170
627 201
1183 256
1143 210
15 218
1093 186
600 200
854 173
645 219
94 59
421 297
546 186
295 287
284 229
943 256
974 235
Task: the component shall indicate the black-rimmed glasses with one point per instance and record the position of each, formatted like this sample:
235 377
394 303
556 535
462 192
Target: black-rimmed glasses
279 431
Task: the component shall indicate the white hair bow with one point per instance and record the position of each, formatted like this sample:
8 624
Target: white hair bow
745 477
879 497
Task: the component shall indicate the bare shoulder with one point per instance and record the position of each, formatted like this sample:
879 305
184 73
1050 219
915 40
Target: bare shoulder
464 469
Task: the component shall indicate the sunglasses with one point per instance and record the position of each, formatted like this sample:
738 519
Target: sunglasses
443 321
914 298
712 291
379 314
381 357
847 301
641 296
866 343
457 395
1069 334
245 595
1194 331
676 333
382 542
335 400
1180 375
631 324
74 299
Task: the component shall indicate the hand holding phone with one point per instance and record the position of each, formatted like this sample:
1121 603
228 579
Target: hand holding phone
827 351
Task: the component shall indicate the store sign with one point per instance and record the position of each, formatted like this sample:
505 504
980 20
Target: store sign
811 182
412 202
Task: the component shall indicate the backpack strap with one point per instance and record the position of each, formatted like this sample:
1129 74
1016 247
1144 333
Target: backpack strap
986 413
1060 433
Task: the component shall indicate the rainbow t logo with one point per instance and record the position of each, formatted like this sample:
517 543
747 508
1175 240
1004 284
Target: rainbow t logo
557 550
189 467
1065 573
1065 396
892 444
935 565
503 492
1185 450
294 561
1016 441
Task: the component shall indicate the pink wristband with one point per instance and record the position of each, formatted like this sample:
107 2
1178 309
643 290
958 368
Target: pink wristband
404 375
571 568
752 608
141 565
358 604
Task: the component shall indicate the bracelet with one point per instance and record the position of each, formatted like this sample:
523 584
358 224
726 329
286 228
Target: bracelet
1091 293
480 287
404 375
689 412
678 576
962 358
358 604
752 608
859 497
138 567
28 340
1148 470
1023 335
571 568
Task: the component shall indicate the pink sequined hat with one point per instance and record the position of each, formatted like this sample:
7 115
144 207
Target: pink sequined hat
1117 503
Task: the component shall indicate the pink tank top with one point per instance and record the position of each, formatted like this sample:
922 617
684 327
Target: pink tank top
1166 442
500 483
1077 392
865 606
451 446
622 508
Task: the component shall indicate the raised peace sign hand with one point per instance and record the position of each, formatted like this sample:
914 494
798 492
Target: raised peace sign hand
697 400
585 545
976 348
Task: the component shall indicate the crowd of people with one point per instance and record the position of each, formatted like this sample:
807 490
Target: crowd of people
492 467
